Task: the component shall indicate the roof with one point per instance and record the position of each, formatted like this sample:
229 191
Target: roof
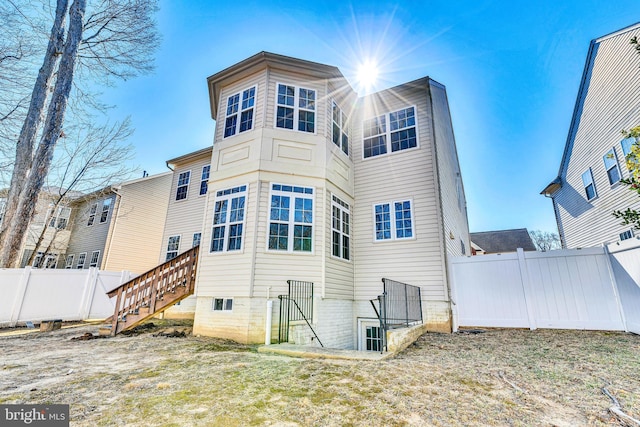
503 240
190 156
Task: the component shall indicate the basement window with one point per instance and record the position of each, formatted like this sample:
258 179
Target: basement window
222 304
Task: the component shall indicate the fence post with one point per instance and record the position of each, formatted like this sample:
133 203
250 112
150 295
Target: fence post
614 286
22 292
89 293
526 288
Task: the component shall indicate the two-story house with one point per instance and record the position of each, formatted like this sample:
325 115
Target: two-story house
308 182
587 189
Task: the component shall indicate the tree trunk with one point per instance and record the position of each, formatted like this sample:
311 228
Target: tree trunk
14 235
29 131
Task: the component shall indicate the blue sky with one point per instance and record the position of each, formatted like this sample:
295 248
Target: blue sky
511 69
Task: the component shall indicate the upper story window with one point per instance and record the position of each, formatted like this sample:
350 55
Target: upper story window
291 218
106 206
611 165
340 129
196 239
228 219
239 113
183 185
69 261
393 220
60 218
400 134
204 179
296 108
626 235
173 245
340 228
589 187
626 145
81 259
92 214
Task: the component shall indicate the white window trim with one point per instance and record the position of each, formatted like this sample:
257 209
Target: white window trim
342 209
84 260
186 195
392 218
97 259
193 239
69 261
95 212
237 130
109 208
388 132
224 304
291 221
296 109
344 128
227 224
203 180
626 231
613 153
166 251
584 185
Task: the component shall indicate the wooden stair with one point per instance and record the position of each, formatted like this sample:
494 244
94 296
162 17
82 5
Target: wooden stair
154 291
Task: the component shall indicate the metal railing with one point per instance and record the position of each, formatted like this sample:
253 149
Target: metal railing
400 306
296 305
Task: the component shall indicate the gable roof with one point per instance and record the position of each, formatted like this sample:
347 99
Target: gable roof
556 184
503 240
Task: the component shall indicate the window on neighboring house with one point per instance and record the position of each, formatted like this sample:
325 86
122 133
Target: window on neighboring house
81 258
69 261
172 247
291 218
589 187
399 135
340 224
48 261
611 165
183 185
340 132
204 179
92 214
393 220
295 108
240 103
222 304
95 256
3 206
228 219
106 206
60 218
38 260
463 248
626 235
196 239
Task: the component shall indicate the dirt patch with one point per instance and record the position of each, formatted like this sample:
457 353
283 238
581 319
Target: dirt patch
499 377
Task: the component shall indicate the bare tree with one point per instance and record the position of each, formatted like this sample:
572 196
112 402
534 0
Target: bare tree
545 240
104 40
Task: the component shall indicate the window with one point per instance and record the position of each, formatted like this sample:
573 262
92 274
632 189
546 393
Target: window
589 188
393 220
95 256
239 103
106 206
81 259
291 218
399 135
69 261
295 108
204 179
222 304
60 219
373 338
92 214
340 220
611 165
183 185
463 248
340 132
626 145
196 239
626 235
51 261
172 247
228 219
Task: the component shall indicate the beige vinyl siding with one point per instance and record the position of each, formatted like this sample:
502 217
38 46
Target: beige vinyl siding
86 238
610 99
398 176
339 276
456 228
136 234
184 217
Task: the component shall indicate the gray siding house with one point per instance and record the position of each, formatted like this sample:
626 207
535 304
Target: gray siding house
587 189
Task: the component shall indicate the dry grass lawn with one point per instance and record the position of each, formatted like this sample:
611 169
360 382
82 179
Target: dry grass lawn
501 377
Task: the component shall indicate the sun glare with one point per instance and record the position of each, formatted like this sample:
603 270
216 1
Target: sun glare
368 74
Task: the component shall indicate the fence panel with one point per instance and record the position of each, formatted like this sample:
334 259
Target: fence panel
625 263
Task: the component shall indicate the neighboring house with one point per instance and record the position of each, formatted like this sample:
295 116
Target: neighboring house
501 241
588 189
119 227
310 183
185 213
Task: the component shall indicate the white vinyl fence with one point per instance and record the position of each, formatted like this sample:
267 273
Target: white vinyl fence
35 295
590 288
